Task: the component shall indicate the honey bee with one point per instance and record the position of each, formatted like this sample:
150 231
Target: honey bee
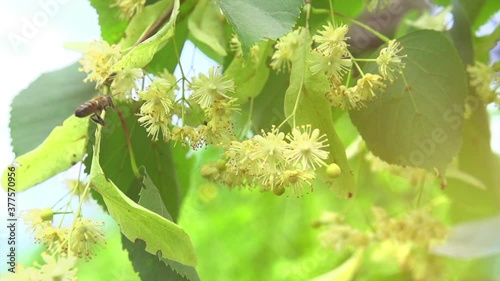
95 106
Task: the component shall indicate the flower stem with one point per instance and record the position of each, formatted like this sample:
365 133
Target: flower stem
376 33
133 163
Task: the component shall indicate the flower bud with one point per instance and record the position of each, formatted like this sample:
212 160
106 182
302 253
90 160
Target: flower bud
333 170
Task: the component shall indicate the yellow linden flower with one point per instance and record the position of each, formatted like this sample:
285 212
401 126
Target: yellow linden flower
61 269
51 237
155 113
186 135
86 237
206 89
390 61
129 8
38 219
158 98
306 147
485 80
368 84
270 148
125 81
22 274
98 60
332 38
77 188
235 46
154 126
335 65
285 50
220 114
295 179
239 154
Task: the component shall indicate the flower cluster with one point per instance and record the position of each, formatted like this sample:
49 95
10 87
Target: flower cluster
156 111
405 239
86 238
273 160
64 246
425 266
129 8
333 58
390 61
486 82
417 228
125 82
285 51
235 47
98 62
57 268
83 238
212 94
54 268
214 87
340 236
210 97
357 96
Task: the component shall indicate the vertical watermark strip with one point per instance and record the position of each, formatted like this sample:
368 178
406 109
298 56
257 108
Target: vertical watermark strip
11 221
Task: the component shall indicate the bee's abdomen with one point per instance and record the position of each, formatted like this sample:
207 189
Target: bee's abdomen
85 109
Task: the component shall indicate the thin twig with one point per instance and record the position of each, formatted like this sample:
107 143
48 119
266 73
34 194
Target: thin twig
154 28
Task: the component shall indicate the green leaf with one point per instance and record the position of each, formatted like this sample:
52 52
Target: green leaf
475 149
207 25
141 54
256 20
187 272
151 267
250 77
471 7
488 9
112 27
420 123
141 23
268 106
63 148
156 157
46 103
485 44
461 34
184 167
161 236
307 93
442 2
478 11
150 198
